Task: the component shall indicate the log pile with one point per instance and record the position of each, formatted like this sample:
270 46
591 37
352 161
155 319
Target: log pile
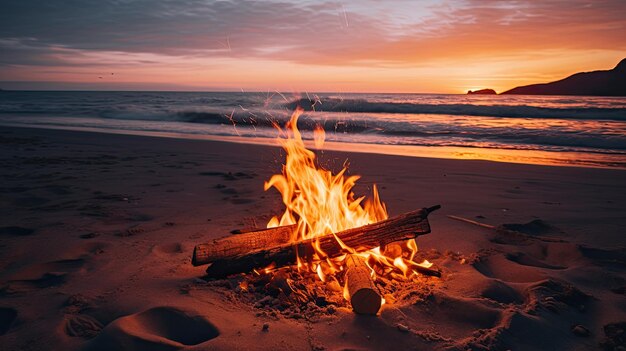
252 250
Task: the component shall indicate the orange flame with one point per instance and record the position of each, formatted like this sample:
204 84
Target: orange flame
319 135
319 202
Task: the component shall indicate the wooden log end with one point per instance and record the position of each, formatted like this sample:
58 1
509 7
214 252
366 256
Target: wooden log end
364 296
366 301
197 258
430 209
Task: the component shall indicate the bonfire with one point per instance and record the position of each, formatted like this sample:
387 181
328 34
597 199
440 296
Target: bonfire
324 231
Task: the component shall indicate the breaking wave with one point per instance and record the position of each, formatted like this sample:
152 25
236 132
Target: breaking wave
582 124
495 110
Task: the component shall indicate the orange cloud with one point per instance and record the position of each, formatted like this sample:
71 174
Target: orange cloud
399 46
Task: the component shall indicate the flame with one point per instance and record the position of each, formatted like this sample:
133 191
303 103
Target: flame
316 200
320 273
319 203
319 135
399 262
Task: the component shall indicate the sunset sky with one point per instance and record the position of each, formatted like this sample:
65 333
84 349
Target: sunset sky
342 46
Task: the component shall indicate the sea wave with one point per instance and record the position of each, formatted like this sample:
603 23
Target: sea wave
466 109
450 130
403 130
582 124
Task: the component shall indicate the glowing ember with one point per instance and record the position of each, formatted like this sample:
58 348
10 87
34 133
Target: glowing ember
319 202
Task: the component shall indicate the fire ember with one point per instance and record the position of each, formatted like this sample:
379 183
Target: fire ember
324 232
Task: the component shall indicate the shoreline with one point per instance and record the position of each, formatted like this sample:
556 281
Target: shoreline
512 156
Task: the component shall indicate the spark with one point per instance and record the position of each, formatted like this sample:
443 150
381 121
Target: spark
253 121
281 95
268 98
315 100
232 120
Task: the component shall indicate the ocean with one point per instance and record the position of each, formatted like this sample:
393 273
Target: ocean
550 130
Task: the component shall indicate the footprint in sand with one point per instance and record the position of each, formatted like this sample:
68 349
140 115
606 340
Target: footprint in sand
47 280
532 249
499 291
605 257
526 328
555 295
499 267
457 316
527 260
7 317
159 328
534 227
526 233
168 249
41 276
80 325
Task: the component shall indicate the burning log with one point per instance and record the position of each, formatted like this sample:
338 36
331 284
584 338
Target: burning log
241 244
426 271
402 227
360 289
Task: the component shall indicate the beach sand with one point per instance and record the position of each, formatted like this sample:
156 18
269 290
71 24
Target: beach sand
97 230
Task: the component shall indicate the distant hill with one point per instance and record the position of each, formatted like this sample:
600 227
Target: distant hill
482 92
599 83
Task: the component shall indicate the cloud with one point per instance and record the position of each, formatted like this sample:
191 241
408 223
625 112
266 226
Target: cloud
176 28
494 29
308 32
180 36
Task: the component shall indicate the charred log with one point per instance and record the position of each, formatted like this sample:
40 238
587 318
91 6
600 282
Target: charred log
403 227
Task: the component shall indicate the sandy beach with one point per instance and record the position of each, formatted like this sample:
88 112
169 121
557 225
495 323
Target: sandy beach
97 232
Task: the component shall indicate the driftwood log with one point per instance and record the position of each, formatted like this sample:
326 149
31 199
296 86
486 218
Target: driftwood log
364 296
240 244
403 227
